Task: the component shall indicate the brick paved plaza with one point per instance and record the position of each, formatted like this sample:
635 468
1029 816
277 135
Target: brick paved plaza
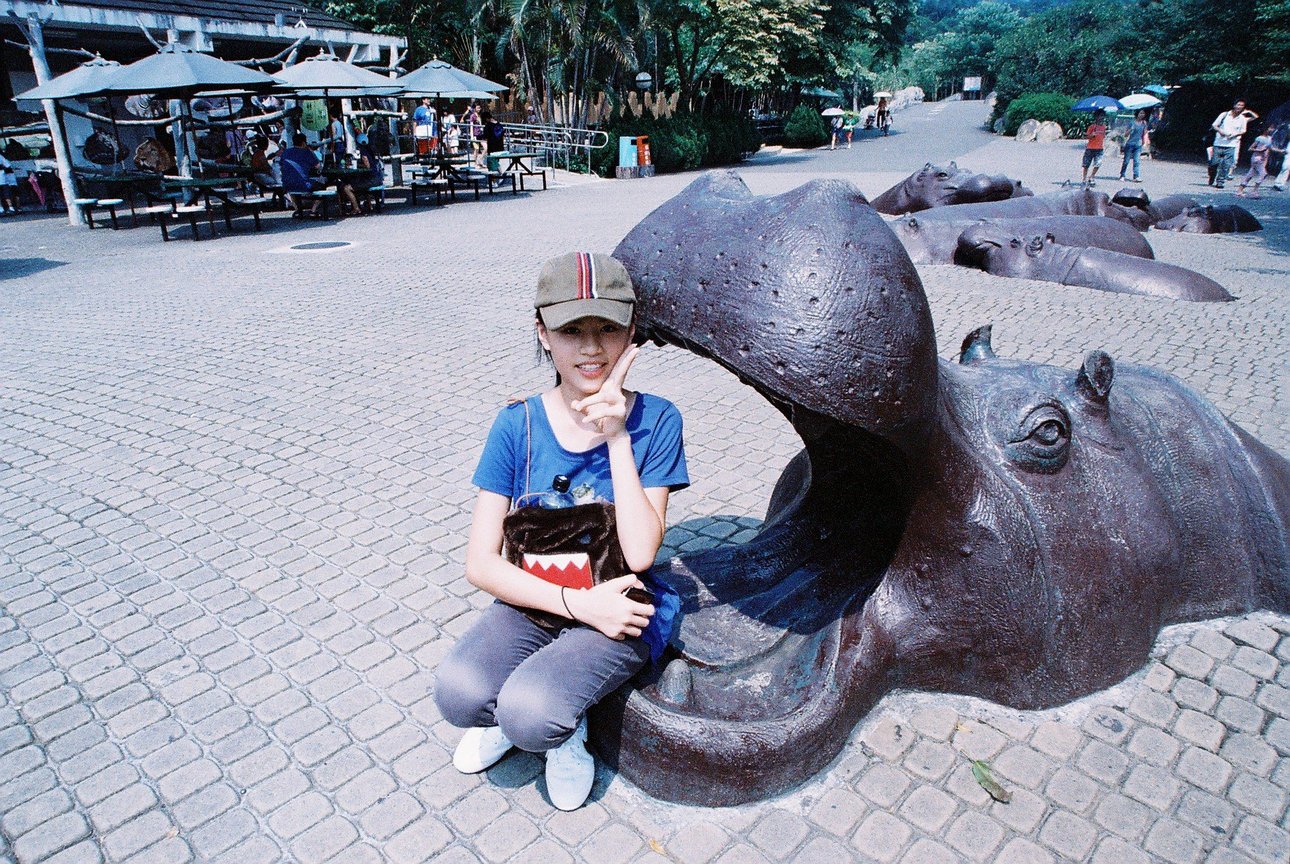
234 491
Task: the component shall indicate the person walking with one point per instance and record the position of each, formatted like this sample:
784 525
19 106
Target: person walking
1277 167
1259 152
835 127
1096 133
511 681
8 186
1228 128
1137 140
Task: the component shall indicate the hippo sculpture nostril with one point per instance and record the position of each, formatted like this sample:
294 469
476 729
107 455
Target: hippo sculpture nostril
1004 529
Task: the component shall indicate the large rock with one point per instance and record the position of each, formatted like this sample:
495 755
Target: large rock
1028 130
1049 132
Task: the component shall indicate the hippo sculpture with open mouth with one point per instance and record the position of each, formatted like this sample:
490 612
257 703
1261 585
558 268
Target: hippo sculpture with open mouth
938 186
992 527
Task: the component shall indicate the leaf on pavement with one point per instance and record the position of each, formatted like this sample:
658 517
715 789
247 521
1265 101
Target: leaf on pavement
981 771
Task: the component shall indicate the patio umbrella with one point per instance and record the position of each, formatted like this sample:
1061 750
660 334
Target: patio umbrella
90 77
821 92
1135 101
438 78
1097 103
180 72
327 75
86 80
177 70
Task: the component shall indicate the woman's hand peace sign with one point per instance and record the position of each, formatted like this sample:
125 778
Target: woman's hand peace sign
607 408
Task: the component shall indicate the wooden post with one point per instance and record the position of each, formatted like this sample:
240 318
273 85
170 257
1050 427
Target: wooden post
33 32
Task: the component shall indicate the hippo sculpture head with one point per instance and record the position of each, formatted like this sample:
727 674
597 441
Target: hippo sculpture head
937 186
1004 529
1208 219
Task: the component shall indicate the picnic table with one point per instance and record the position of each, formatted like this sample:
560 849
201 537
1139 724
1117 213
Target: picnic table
211 190
518 164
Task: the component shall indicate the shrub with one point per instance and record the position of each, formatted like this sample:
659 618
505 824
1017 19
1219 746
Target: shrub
1041 107
681 142
805 128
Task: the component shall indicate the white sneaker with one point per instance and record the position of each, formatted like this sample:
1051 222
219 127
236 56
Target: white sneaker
570 771
480 748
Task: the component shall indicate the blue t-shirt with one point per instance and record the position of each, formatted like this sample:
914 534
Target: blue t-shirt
298 163
653 424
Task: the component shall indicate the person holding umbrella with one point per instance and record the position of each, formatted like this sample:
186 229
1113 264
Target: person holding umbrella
1096 133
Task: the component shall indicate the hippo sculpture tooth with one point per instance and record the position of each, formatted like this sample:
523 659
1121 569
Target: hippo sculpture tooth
1010 530
940 186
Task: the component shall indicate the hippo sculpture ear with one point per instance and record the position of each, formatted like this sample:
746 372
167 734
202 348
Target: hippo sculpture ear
1093 381
976 346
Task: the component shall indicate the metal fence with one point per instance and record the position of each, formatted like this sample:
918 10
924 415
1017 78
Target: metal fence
556 143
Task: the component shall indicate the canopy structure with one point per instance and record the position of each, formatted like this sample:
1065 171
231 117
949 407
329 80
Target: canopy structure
442 79
1097 103
178 70
1136 101
326 75
89 78
821 92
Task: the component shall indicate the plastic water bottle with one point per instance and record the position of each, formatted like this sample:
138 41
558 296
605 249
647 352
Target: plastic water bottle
559 495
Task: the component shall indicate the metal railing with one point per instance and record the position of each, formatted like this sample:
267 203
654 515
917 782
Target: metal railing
556 142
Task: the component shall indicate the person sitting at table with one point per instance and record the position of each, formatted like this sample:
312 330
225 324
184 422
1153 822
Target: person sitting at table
299 175
368 160
257 152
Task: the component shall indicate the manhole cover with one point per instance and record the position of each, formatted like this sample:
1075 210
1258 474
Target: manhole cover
324 244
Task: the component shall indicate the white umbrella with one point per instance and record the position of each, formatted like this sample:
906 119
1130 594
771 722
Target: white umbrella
1137 101
832 112
327 75
882 94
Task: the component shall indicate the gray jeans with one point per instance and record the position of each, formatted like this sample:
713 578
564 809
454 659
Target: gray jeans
535 684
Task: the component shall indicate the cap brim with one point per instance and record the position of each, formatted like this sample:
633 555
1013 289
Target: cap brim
557 315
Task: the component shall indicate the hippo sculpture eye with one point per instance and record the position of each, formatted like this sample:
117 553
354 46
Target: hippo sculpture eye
1042 439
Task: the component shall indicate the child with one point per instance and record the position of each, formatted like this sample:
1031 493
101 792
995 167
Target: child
511 681
1260 148
1093 150
8 185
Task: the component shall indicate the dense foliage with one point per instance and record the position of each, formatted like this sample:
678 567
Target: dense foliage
805 128
1102 46
1041 107
548 49
682 142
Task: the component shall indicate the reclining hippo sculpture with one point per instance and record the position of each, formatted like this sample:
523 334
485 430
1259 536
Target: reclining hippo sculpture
1072 202
1208 219
935 241
999 528
1159 210
937 186
1001 252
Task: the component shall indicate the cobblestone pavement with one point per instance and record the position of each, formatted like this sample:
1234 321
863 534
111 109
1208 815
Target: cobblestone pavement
234 488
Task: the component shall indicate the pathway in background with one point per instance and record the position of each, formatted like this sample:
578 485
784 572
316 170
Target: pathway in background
234 488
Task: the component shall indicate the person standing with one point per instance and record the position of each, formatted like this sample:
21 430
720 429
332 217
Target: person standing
1228 128
424 127
8 186
1137 140
835 126
1096 133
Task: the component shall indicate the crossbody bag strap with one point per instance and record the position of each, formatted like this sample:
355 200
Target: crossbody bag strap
528 448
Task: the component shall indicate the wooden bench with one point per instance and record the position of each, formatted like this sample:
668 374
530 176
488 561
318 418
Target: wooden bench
438 186
89 205
189 212
252 204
